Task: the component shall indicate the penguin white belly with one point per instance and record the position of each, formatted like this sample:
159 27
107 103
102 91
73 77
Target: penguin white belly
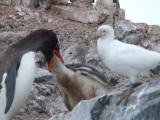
23 86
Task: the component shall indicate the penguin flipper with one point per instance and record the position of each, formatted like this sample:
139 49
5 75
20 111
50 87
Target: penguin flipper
10 82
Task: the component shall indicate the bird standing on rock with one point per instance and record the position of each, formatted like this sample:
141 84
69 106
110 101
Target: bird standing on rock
126 59
18 65
79 82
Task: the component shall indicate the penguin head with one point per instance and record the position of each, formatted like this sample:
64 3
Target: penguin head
49 46
42 40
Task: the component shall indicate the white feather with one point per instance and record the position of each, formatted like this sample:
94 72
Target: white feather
69 2
126 59
24 81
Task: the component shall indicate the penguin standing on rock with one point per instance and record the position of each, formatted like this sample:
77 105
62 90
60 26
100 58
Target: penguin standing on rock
18 66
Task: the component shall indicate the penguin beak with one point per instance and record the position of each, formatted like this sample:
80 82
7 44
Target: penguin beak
58 54
55 53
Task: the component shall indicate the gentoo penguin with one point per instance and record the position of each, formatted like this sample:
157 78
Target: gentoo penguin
79 82
18 66
126 59
117 3
94 3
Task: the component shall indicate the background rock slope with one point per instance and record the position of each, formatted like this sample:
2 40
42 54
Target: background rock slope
76 25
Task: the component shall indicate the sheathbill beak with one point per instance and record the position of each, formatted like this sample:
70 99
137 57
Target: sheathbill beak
97 35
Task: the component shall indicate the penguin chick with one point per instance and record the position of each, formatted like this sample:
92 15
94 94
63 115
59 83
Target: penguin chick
79 82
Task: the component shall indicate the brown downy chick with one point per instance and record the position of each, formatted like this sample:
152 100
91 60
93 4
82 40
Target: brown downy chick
79 82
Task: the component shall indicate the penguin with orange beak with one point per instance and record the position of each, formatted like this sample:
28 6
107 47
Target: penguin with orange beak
18 66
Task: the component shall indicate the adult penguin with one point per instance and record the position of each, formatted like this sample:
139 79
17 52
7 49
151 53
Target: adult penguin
18 67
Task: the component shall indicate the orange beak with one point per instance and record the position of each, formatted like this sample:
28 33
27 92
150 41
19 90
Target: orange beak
50 64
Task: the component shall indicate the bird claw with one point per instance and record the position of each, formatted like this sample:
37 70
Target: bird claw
124 96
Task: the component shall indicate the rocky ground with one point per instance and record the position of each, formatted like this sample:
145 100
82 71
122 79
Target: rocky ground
77 45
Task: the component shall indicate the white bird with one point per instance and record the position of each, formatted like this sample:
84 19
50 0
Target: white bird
126 59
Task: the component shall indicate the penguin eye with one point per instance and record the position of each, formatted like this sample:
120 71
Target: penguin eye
104 31
57 46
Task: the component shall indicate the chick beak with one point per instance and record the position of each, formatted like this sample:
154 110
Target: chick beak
97 35
50 63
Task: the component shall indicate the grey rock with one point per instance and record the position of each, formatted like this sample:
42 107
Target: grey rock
2 22
154 38
12 35
80 14
74 54
21 2
121 14
43 74
7 38
128 32
143 104
5 2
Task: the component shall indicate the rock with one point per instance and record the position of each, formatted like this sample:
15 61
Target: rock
143 104
128 32
12 35
74 54
80 14
2 23
25 2
154 29
9 37
121 14
5 2
43 74
21 2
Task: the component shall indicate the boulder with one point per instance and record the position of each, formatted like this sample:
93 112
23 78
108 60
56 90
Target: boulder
5 2
143 104
81 15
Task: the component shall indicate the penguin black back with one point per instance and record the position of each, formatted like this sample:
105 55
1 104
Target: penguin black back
39 40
